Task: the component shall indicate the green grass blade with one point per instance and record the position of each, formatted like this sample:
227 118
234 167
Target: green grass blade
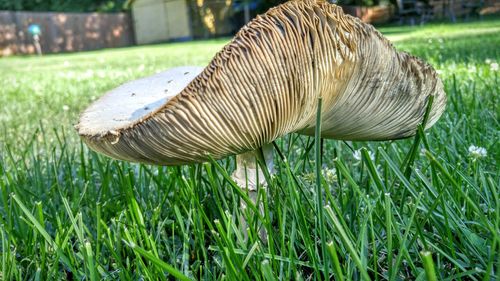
335 261
347 243
319 190
159 263
429 268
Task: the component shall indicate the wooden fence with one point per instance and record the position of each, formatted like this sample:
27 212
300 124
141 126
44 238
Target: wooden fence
64 32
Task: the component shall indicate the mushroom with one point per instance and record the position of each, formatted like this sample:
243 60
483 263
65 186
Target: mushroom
265 84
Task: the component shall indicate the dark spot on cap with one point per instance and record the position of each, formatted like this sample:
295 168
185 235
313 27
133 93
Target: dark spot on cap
169 81
186 73
132 95
146 108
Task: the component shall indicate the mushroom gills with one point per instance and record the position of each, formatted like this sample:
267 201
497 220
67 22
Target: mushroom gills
265 84
129 104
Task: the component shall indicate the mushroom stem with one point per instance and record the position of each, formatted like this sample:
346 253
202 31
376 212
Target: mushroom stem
249 175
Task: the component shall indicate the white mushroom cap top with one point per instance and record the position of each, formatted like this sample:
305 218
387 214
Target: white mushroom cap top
265 84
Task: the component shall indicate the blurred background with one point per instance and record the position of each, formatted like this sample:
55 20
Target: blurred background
54 26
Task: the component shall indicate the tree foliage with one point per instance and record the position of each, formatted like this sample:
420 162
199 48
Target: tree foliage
63 5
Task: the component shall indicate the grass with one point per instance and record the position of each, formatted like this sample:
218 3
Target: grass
419 209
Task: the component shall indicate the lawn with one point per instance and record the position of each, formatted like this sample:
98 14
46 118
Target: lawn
420 208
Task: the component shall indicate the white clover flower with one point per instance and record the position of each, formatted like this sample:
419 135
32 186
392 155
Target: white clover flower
89 73
357 155
309 177
101 74
67 75
65 108
476 152
486 208
487 61
494 66
372 155
329 174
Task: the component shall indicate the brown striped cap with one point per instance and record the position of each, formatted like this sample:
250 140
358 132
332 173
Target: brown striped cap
265 84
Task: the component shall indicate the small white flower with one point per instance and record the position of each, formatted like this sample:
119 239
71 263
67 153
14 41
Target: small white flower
66 63
494 66
101 74
487 61
65 107
329 174
89 73
372 155
141 67
472 69
476 152
423 151
357 155
486 208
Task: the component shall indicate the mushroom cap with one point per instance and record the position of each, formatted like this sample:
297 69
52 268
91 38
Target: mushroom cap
264 84
133 101
129 105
